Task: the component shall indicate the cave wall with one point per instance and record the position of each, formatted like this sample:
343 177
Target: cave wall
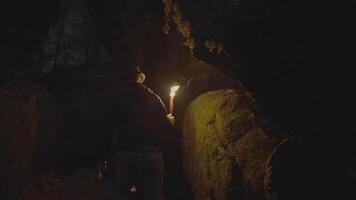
279 50
29 124
163 54
287 54
83 94
224 149
260 42
24 28
72 39
265 44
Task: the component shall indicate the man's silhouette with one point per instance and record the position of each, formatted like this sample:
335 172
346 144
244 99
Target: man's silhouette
141 124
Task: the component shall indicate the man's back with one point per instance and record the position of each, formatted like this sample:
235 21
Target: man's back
140 124
141 115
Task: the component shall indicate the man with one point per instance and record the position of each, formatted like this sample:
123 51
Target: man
141 128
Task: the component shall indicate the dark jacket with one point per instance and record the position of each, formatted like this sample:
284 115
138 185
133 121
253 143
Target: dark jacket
140 117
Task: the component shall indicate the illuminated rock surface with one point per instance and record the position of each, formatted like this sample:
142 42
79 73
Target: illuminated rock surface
224 150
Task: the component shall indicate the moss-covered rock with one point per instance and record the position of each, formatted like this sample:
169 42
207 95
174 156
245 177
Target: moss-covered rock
224 150
28 126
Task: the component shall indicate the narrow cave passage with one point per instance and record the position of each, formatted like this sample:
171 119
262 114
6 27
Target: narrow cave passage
258 115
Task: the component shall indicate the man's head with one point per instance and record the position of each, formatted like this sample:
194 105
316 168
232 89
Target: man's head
134 74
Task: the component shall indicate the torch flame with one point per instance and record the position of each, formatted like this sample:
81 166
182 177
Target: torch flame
174 89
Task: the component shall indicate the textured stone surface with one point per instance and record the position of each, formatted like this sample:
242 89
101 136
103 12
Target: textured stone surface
28 126
224 151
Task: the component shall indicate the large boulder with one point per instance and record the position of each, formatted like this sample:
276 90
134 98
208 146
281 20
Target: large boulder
28 126
224 150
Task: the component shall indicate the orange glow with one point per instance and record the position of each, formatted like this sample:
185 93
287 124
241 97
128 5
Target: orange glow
174 90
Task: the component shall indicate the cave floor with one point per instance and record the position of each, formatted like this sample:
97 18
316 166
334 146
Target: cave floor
84 184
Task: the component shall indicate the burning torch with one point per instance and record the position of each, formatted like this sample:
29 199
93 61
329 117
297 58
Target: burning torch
174 90
172 94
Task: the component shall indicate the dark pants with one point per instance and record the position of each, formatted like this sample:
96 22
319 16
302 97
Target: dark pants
142 169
